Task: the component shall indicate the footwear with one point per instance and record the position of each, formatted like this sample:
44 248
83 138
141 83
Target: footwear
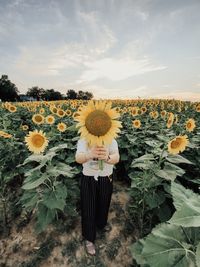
90 247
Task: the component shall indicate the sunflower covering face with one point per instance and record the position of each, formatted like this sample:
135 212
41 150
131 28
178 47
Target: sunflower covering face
97 123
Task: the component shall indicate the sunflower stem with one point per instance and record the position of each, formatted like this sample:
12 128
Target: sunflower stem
100 164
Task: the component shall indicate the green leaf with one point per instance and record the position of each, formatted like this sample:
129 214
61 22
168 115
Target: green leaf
55 199
180 195
60 169
154 199
144 157
170 172
188 215
187 207
177 159
59 147
167 246
198 255
153 143
136 250
36 183
44 217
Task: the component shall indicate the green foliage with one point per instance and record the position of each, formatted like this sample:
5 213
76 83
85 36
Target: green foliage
49 187
177 243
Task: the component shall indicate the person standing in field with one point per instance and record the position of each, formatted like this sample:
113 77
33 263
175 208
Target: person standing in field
97 150
96 187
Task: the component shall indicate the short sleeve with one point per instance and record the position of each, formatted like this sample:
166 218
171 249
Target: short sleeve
113 147
81 146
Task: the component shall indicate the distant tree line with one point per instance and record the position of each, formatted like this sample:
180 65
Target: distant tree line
9 92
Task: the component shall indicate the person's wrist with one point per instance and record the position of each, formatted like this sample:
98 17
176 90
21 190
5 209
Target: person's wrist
108 158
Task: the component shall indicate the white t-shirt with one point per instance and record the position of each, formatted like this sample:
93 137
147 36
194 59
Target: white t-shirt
91 167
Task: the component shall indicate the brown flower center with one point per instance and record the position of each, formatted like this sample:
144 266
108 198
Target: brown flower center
38 140
176 143
38 118
98 123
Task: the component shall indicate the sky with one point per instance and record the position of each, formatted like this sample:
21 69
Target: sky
112 48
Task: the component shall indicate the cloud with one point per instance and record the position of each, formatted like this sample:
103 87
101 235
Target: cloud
118 69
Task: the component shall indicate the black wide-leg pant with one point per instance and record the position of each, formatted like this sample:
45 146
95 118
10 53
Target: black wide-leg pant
95 203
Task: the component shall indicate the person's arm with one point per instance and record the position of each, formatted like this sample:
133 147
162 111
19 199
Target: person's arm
113 158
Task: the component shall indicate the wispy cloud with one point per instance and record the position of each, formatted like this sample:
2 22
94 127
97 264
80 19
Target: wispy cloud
118 69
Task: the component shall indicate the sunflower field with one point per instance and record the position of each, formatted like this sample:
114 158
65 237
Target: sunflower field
159 145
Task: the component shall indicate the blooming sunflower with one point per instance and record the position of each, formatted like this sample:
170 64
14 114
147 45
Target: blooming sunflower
36 141
136 123
60 113
190 125
42 110
198 108
170 120
98 124
178 144
163 113
134 111
38 118
68 112
5 135
61 126
50 119
25 127
12 108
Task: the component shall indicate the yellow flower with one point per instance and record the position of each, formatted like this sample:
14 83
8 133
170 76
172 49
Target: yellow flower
53 109
38 119
190 125
12 108
134 111
36 141
144 109
136 123
163 113
61 126
68 112
60 113
155 114
50 119
25 127
198 108
178 144
42 110
5 135
75 114
170 120
98 124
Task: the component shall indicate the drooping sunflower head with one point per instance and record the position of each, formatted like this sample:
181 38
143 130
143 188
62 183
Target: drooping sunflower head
36 141
38 118
190 125
178 144
97 122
